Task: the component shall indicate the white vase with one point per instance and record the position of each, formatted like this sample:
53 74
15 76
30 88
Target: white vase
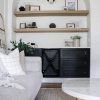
76 42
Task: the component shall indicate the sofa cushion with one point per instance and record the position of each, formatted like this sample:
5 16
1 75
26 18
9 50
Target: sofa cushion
30 82
33 66
22 60
11 63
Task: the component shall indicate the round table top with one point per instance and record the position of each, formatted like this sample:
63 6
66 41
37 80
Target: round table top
87 89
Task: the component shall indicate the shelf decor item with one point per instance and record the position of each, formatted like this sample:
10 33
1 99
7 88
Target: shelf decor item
51 1
27 7
21 8
65 8
72 4
34 8
70 25
52 25
76 41
22 25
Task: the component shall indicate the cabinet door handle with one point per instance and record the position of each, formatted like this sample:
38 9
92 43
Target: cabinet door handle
85 63
84 72
85 53
65 72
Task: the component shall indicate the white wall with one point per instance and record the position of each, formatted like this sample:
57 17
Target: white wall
2 2
48 40
95 38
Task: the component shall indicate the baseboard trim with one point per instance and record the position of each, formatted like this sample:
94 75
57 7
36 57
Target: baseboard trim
51 85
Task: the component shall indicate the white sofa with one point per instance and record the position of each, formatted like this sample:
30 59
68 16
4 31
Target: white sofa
31 82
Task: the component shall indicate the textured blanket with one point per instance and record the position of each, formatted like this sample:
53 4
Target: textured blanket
7 81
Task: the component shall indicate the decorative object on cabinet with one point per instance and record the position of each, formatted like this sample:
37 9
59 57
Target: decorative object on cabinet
51 1
34 8
22 46
72 4
76 41
52 25
78 23
68 43
33 45
21 8
70 25
65 8
22 25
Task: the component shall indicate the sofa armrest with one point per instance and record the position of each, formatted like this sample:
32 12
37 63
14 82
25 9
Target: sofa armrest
34 59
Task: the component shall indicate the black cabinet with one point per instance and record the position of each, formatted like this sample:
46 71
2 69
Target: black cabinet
36 52
64 62
75 53
75 63
51 62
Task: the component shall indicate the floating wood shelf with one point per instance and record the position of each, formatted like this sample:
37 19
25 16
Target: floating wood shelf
41 30
51 13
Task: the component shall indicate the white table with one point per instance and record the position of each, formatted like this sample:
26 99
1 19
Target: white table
85 89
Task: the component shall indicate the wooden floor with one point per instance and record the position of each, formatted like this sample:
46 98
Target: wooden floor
53 94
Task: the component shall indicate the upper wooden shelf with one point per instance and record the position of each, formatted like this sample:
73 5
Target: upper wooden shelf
51 13
43 30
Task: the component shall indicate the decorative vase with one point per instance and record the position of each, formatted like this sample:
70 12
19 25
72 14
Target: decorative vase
76 42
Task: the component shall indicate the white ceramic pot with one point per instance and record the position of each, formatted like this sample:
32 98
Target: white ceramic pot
76 42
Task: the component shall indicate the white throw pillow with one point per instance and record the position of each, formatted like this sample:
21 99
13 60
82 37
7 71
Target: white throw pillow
22 60
32 66
2 67
11 63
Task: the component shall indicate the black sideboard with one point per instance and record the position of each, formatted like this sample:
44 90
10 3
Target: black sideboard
64 62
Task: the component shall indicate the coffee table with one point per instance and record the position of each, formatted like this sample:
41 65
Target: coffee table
83 89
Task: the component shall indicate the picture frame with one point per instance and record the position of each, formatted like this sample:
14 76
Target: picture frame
65 8
22 25
70 25
34 8
78 23
72 4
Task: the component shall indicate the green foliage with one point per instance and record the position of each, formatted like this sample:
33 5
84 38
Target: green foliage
22 46
76 37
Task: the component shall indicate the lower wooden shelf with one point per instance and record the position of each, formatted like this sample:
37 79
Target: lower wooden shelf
41 30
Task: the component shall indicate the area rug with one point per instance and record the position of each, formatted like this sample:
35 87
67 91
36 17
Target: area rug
53 94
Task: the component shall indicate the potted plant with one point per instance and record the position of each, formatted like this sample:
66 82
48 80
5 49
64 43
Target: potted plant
76 41
21 46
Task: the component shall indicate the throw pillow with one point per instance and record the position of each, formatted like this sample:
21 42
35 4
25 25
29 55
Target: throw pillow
22 60
11 63
33 66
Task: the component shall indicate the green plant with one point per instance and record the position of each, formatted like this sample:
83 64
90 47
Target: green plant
76 37
22 46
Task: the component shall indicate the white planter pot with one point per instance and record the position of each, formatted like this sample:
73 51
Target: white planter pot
76 42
